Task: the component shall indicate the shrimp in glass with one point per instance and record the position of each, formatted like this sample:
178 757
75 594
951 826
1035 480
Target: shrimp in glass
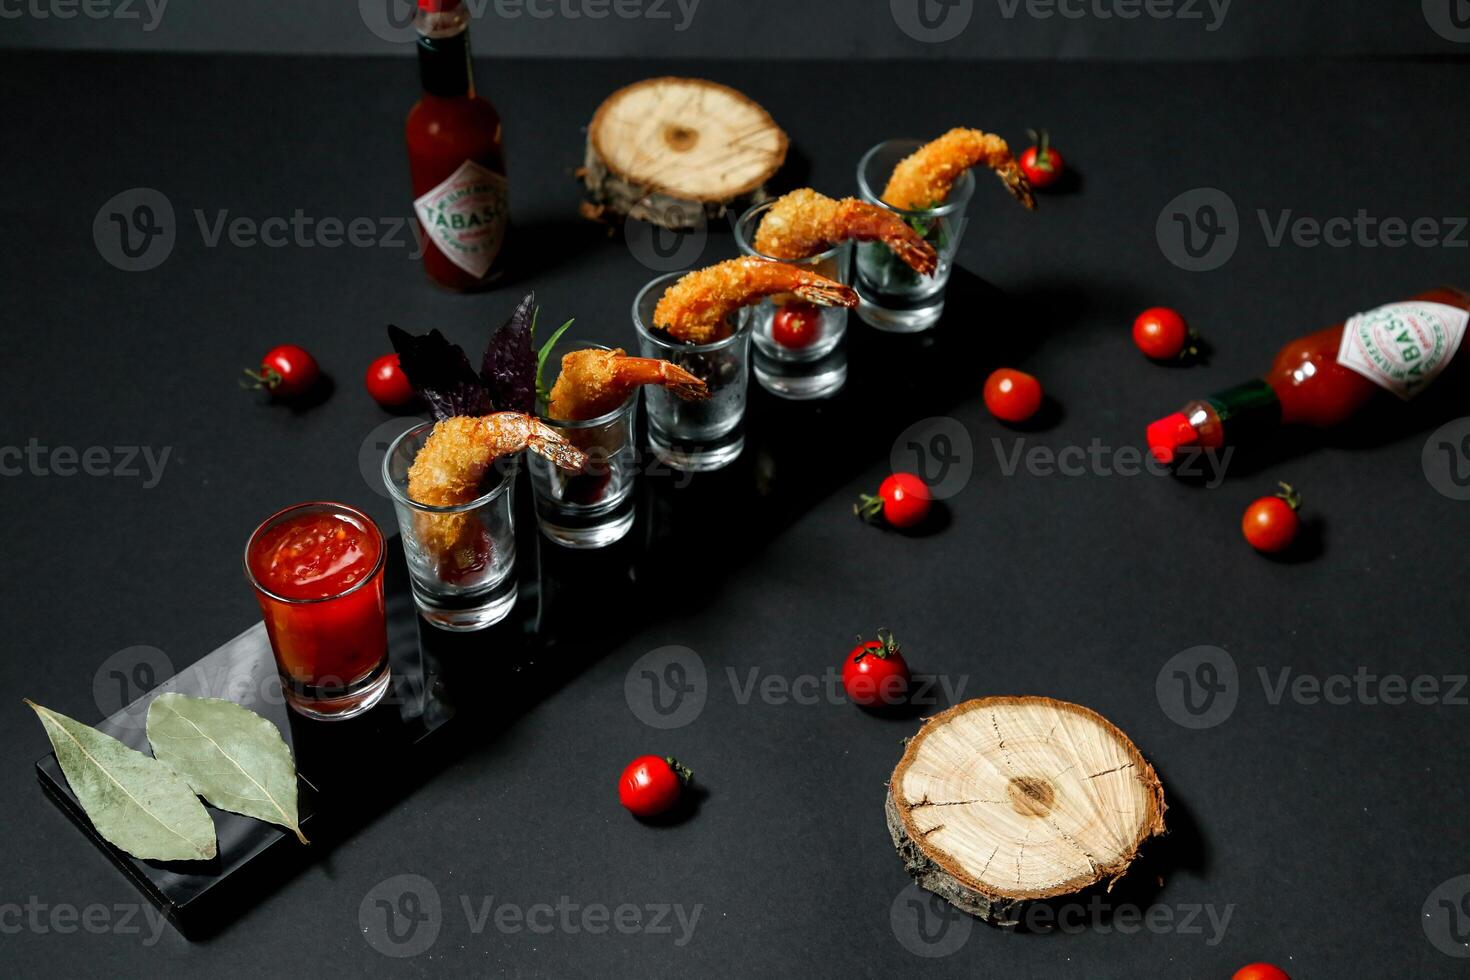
594 382
922 181
804 223
451 466
695 309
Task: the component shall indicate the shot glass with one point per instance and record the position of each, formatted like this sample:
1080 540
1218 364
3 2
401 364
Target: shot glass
811 364
461 559
327 629
892 296
593 508
707 434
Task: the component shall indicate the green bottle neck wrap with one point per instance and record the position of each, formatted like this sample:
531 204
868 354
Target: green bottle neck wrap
1247 411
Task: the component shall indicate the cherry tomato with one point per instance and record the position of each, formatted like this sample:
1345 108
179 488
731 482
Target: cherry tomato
903 499
651 784
796 325
875 672
387 383
286 372
1161 333
1012 396
1041 164
1260 971
1271 523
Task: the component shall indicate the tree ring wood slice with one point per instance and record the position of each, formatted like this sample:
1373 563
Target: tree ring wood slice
678 151
1003 801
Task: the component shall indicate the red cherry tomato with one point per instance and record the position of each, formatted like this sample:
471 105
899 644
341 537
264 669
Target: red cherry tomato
903 499
387 383
1271 523
1161 333
875 672
1260 971
796 325
1041 164
286 372
650 785
1012 396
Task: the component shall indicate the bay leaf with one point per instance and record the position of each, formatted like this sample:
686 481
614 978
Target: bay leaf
230 755
136 802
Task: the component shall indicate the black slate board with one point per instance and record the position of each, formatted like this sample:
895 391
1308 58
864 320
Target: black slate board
243 670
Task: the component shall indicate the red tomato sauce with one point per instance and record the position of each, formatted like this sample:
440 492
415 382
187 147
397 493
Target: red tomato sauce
319 578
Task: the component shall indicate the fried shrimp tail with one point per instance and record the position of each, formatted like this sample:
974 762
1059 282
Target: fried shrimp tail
695 308
594 382
923 179
804 223
450 469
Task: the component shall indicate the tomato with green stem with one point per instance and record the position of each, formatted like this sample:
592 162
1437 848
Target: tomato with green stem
875 672
652 784
1271 523
903 500
1041 163
286 372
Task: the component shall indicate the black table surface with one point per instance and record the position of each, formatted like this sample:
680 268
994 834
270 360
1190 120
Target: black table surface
1320 830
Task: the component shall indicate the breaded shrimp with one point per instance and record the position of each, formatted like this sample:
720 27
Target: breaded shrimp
451 466
804 223
695 308
594 382
923 179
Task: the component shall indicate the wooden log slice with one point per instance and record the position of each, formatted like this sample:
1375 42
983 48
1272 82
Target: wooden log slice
1002 801
675 151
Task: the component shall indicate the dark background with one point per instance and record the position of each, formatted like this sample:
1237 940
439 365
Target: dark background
1324 829
834 29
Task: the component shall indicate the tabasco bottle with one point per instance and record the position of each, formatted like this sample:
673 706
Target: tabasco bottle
455 155
1323 379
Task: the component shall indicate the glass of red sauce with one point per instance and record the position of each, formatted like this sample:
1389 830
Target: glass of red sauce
317 569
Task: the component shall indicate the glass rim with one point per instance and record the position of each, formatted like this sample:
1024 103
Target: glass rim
748 246
330 505
402 497
741 331
601 420
872 197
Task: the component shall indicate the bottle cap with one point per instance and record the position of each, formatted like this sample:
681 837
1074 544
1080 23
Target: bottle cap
1169 433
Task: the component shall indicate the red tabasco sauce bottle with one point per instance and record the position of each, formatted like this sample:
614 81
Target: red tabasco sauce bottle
455 155
1324 378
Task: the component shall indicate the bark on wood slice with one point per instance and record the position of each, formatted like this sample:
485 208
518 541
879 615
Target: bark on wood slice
675 150
1002 801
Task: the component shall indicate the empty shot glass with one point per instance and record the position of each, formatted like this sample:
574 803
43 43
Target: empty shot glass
803 355
893 296
461 559
705 434
594 507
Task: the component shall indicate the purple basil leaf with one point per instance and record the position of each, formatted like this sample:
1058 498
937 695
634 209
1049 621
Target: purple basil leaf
509 369
441 374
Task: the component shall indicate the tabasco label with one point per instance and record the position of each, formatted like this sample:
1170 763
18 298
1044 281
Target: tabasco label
465 217
1402 346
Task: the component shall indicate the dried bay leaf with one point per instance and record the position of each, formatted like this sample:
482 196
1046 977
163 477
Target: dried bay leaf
137 803
230 755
